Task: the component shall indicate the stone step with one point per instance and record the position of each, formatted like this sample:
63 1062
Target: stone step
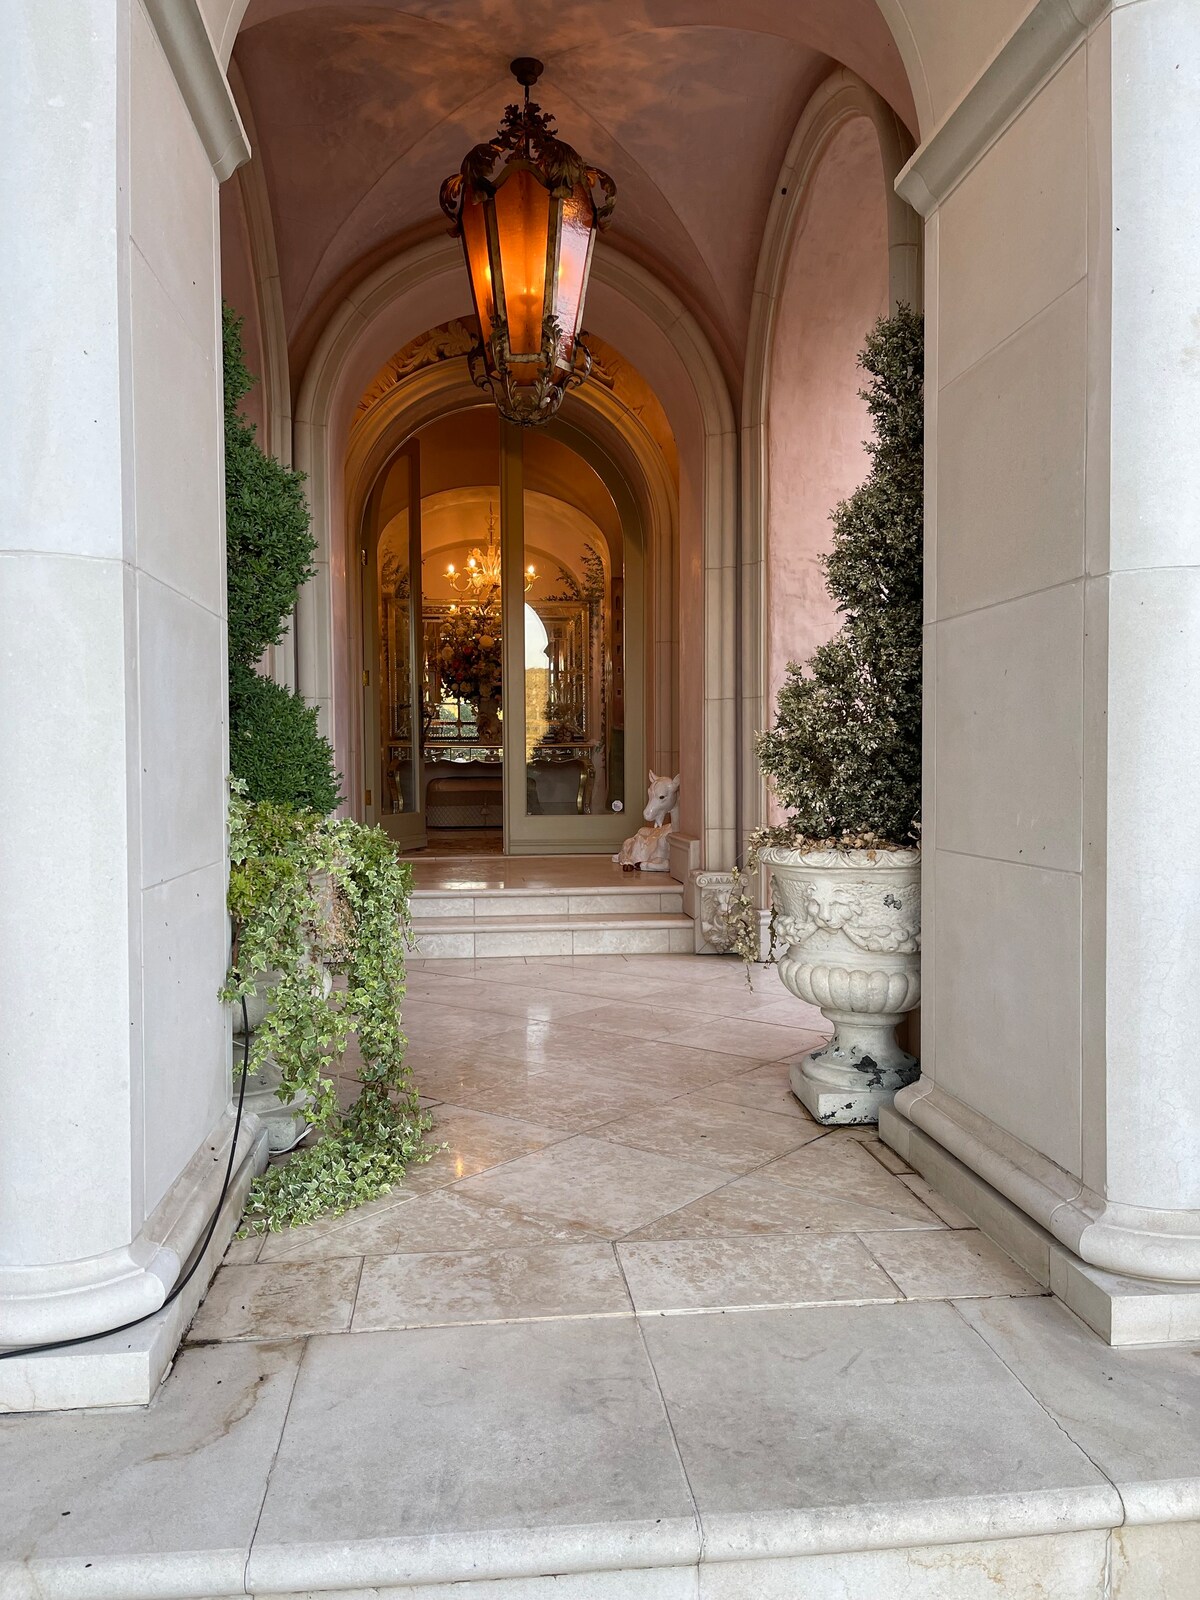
638 897
565 934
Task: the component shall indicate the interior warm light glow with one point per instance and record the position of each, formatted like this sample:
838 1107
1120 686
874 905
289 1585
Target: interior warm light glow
527 226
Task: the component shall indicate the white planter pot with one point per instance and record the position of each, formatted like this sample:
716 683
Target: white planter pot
286 1121
851 924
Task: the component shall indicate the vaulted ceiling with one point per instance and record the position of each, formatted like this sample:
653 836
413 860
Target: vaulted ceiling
360 111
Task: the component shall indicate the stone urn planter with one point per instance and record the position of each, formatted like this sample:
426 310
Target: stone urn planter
285 1120
850 922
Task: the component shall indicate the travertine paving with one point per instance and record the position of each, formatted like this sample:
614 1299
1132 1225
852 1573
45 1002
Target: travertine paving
640 1331
616 1135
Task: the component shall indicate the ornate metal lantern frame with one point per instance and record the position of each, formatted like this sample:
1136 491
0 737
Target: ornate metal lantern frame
528 231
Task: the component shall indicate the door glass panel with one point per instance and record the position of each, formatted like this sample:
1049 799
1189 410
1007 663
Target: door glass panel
462 640
573 569
522 210
398 710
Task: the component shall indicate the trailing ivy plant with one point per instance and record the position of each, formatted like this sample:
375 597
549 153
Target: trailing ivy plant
312 896
274 745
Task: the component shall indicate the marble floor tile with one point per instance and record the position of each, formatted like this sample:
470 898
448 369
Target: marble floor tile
763 1203
277 1300
646 1022
413 1291
767 1088
766 1041
786 1011
533 1442
304 1243
499 1000
715 1274
1136 1412
242 1252
539 1045
443 1220
587 1183
948 1265
937 1202
734 1139
456 1076
144 1497
686 1066
573 1101
467 1142
811 1421
886 1156
838 1168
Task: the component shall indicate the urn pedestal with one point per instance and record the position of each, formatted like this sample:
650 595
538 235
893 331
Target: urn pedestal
851 924
285 1119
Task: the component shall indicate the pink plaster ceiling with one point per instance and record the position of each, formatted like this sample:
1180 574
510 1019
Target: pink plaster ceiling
362 109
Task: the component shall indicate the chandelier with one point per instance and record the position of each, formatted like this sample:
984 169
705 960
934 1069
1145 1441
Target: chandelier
527 233
479 581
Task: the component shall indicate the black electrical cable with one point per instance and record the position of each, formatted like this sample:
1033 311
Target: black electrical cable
197 1258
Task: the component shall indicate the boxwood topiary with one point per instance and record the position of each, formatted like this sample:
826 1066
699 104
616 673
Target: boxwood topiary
844 757
274 746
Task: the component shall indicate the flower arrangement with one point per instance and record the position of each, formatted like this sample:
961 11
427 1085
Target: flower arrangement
469 657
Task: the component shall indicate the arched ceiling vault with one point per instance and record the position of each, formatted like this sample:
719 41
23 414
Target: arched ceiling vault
362 109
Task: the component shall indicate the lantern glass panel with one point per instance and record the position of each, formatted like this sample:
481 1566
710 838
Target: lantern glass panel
522 218
578 218
474 233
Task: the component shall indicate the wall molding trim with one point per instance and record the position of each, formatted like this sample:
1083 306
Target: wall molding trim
193 60
1052 29
1131 1241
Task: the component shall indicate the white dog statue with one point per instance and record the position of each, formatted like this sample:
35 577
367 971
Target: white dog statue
647 850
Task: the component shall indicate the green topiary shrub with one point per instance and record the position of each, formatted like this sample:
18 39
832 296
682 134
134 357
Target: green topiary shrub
844 757
274 745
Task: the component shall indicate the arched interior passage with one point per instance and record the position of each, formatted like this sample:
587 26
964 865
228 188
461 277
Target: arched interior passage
504 635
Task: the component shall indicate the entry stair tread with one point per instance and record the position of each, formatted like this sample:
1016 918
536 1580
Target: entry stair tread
598 919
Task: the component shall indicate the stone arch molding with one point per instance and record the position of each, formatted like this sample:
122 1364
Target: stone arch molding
424 286
841 98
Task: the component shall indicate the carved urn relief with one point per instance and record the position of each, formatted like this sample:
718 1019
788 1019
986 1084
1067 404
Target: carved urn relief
850 925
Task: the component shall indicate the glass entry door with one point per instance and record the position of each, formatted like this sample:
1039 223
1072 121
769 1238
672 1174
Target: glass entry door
573 733
503 688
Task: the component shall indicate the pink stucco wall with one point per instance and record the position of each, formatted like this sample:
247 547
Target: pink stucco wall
835 287
237 287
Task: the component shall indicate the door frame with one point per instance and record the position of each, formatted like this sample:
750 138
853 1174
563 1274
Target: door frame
406 828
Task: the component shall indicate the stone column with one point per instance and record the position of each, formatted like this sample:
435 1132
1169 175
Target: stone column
1062 894
114 1063
1140 1208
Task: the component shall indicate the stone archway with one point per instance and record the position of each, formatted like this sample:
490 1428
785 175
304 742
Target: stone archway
629 306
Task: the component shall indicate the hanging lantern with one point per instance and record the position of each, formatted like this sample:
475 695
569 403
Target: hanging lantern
527 232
